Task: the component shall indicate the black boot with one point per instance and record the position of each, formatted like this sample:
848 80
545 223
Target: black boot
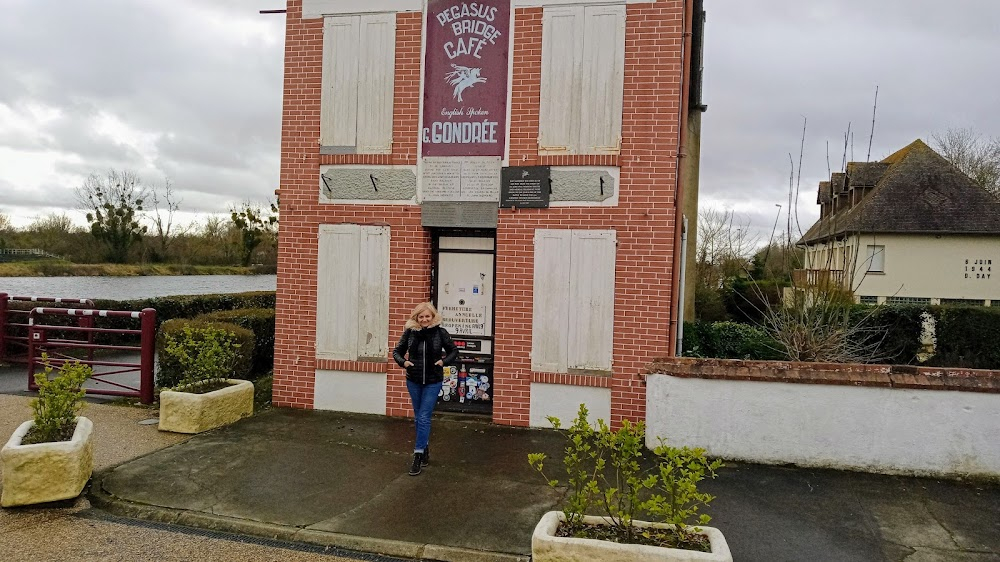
425 459
415 467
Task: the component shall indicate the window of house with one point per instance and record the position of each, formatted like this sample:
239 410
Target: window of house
908 300
352 293
876 259
583 77
574 298
359 63
868 299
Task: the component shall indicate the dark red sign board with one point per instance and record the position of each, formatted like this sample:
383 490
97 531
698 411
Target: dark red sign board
465 80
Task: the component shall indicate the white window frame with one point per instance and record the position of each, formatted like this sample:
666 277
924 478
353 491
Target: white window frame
876 255
359 61
573 301
575 98
352 292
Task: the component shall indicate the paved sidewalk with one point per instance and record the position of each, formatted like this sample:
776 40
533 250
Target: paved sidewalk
340 479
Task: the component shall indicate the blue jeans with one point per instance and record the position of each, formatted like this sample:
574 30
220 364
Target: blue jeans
423 397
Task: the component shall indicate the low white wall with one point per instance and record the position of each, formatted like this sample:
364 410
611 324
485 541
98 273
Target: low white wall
347 391
866 428
563 401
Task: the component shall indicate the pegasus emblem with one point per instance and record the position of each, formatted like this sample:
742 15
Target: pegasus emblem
463 77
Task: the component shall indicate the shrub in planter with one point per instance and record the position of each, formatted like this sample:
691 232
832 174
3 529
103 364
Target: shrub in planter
206 396
51 457
606 473
261 322
180 343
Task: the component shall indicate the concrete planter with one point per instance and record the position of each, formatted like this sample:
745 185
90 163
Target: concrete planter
46 472
185 412
546 547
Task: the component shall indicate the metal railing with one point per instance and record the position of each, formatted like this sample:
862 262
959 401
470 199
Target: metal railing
40 342
14 333
817 277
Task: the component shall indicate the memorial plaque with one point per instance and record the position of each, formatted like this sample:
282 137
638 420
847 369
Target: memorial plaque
459 214
525 187
461 179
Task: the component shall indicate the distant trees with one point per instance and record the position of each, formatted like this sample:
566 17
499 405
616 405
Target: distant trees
977 156
112 203
255 226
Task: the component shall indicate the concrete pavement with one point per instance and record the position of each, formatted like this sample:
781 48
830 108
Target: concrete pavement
340 479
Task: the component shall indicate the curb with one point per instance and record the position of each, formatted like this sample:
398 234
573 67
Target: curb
101 499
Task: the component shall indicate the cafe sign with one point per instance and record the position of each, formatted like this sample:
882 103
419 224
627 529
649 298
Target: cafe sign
465 78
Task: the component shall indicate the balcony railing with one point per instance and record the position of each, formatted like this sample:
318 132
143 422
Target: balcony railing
817 277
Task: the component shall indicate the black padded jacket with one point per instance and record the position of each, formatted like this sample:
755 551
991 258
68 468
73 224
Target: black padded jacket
424 347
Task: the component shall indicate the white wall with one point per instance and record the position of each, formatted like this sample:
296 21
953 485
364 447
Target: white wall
563 401
926 266
347 391
866 428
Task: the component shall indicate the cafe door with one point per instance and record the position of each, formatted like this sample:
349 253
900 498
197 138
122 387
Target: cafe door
463 293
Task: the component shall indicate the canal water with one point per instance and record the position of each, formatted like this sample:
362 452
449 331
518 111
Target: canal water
122 288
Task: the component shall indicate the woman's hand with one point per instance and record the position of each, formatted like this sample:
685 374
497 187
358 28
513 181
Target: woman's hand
407 364
440 363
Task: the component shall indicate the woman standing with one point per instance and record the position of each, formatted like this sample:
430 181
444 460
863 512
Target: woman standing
420 351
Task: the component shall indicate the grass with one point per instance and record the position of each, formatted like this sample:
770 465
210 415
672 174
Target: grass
59 268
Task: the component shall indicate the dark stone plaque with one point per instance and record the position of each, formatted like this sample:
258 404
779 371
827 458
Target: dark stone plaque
525 187
459 214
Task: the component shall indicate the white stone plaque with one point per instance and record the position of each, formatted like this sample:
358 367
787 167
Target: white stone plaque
464 178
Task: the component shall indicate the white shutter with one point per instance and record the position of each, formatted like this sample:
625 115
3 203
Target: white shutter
550 315
562 49
591 300
375 89
603 87
339 110
373 293
337 292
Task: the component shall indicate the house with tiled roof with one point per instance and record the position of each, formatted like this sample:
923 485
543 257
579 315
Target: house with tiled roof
910 229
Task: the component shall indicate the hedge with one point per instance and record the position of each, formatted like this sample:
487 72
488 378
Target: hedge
729 340
258 320
170 373
967 337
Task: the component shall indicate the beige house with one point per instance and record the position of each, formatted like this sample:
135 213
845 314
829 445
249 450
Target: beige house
911 229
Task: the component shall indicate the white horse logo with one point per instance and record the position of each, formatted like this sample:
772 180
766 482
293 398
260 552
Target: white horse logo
463 77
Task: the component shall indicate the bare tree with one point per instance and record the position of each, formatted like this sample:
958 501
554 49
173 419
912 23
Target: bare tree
725 245
112 202
972 153
165 204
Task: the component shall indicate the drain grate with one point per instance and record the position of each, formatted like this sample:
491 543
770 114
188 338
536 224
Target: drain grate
97 515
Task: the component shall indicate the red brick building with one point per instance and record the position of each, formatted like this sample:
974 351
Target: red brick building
522 163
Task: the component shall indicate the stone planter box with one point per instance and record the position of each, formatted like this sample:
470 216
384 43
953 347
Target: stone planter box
185 412
46 472
546 547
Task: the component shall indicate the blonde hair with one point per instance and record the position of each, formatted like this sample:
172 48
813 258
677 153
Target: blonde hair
412 323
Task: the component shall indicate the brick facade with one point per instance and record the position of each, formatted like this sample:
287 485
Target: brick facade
643 218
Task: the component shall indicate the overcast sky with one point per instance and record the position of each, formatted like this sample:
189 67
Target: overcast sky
190 90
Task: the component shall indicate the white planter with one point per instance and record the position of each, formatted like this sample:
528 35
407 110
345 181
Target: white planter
546 547
46 472
185 412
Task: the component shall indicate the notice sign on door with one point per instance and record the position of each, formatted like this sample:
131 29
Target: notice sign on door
465 80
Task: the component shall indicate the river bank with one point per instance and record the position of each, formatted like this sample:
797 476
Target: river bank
49 268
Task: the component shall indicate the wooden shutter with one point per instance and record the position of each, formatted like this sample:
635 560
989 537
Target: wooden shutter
550 315
373 293
591 300
337 292
603 86
339 109
562 49
375 89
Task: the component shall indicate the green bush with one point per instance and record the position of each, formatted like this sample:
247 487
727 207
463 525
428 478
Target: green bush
181 344
748 301
605 472
729 340
258 320
897 327
58 402
967 337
